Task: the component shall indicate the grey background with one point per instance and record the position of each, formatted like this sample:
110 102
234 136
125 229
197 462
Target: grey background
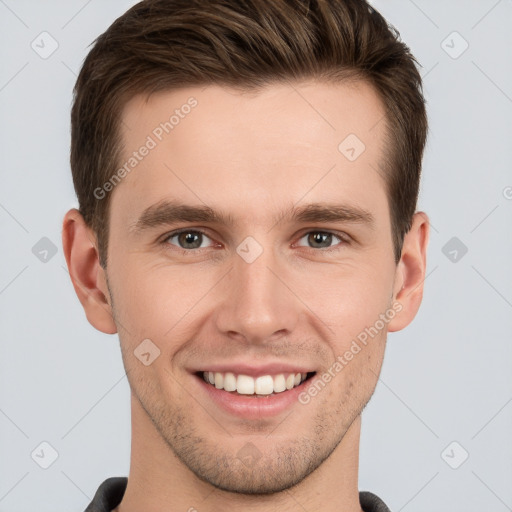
446 378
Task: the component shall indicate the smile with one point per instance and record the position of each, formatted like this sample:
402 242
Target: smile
263 385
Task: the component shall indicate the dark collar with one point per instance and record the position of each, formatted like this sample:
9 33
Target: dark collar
111 492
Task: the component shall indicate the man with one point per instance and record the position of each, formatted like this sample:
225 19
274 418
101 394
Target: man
247 176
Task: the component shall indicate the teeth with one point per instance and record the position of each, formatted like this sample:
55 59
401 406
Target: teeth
279 383
263 385
247 385
230 382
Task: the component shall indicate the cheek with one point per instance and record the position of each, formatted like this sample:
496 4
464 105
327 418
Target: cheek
352 301
159 301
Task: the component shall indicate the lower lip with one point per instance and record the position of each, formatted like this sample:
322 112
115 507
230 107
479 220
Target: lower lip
250 406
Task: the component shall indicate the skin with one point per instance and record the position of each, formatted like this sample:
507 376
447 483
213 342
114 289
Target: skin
253 156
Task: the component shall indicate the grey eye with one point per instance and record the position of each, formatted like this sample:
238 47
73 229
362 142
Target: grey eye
319 239
189 239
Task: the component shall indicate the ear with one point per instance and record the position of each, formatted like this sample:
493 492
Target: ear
88 277
410 272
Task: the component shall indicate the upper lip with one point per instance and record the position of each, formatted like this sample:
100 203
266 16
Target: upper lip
253 370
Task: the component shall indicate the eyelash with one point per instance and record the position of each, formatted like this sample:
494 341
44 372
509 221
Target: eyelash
343 237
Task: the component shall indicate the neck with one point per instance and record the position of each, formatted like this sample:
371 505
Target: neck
158 481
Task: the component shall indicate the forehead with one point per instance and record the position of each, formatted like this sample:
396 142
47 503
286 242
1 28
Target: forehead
309 110
218 145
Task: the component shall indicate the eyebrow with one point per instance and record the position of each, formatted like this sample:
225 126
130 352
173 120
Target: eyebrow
168 212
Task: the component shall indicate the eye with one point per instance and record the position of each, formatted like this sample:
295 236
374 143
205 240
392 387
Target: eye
187 239
193 239
322 239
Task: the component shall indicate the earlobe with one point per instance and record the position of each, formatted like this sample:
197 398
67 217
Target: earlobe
411 272
87 276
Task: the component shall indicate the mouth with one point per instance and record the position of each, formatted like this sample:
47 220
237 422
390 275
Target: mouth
254 386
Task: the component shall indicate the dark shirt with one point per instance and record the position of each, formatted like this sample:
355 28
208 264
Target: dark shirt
111 491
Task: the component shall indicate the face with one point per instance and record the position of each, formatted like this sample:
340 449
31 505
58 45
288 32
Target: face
252 238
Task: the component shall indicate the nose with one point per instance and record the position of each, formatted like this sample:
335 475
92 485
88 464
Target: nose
257 305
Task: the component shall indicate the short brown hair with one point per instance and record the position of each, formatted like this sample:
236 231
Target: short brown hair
165 44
